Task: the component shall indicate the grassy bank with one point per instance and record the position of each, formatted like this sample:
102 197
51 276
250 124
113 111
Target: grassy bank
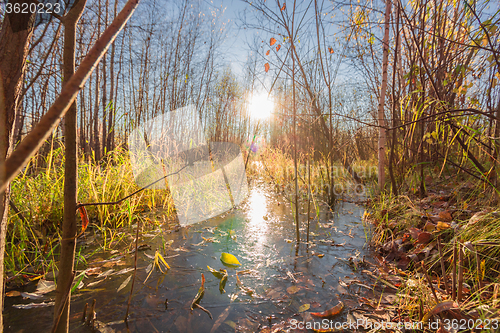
37 194
441 251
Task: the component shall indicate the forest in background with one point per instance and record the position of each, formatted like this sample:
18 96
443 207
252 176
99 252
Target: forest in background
412 87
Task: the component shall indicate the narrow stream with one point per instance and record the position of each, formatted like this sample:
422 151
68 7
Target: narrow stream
260 233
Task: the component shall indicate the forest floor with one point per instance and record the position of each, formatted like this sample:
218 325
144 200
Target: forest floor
441 253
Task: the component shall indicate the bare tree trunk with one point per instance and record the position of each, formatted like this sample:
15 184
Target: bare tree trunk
297 222
111 133
394 114
17 29
96 146
383 88
104 99
68 242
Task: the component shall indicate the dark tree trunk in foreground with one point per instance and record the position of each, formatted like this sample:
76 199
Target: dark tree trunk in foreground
15 36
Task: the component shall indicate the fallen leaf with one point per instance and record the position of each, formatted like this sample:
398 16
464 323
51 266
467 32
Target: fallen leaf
443 226
217 274
248 291
107 273
159 258
424 237
13 293
292 290
443 306
91 284
220 319
124 283
32 305
44 287
229 259
330 312
32 296
84 217
231 323
304 307
429 226
124 271
246 325
93 271
247 271
222 282
445 216
272 41
414 232
200 293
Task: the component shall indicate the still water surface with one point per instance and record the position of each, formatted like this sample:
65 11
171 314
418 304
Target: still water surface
260 233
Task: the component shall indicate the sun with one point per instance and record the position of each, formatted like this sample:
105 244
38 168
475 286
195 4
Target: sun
260 106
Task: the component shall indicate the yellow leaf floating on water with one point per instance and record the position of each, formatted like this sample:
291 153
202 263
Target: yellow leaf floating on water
217 274
304 307
222 282
229 259
162 260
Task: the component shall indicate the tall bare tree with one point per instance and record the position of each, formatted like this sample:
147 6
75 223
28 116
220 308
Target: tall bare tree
381 104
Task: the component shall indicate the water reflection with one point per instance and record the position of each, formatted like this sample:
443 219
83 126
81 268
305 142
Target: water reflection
258 219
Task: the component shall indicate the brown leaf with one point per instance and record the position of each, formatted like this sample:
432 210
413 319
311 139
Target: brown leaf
424 237
278 47
272 41
292 289
330 50
284 7
267 53
13 293
266 67
84 217
330 312
414 232
443 306
445 216
429 226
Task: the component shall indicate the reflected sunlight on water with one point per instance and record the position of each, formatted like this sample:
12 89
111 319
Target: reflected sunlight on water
257 226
